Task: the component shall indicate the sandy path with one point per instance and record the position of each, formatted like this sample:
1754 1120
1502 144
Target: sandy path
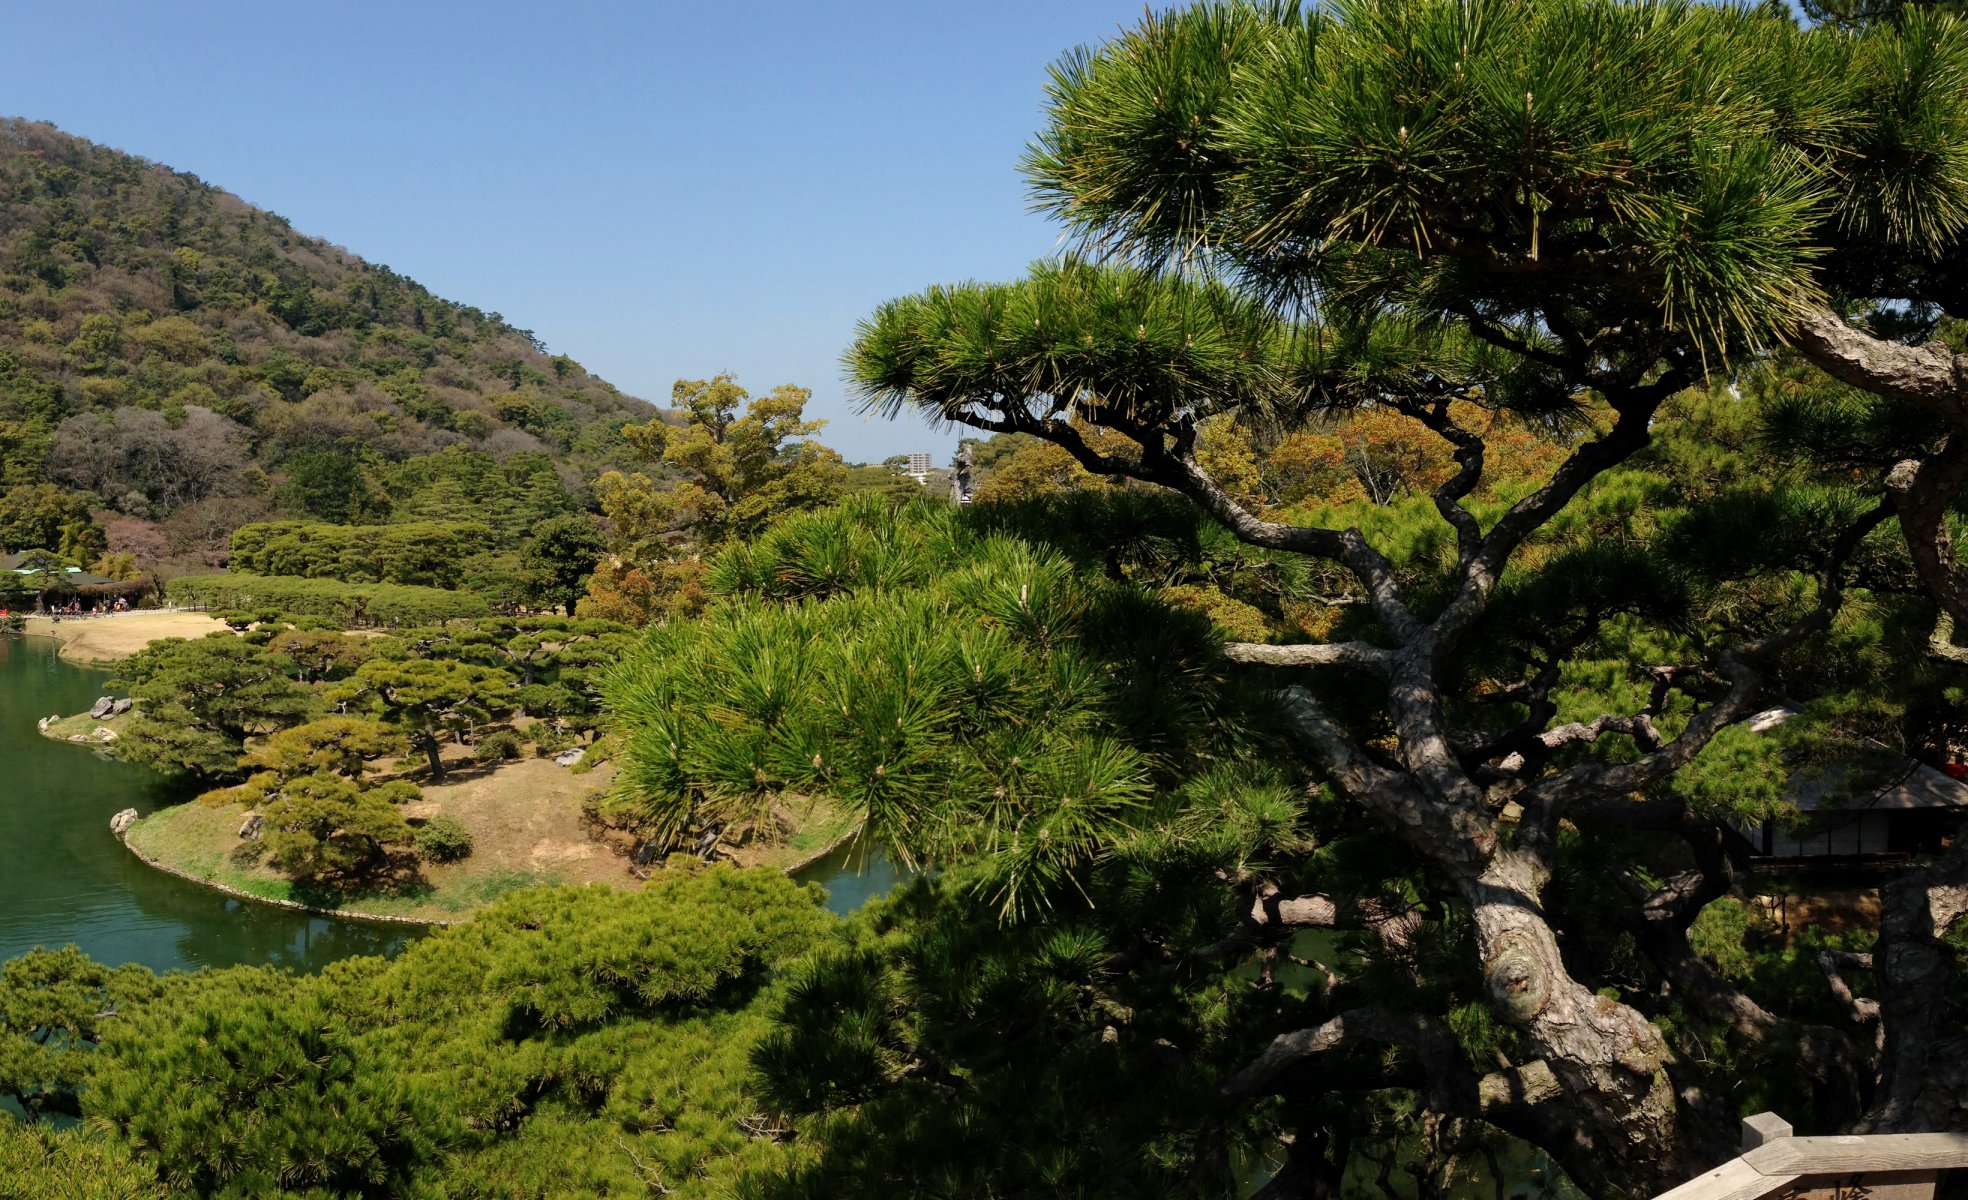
119 635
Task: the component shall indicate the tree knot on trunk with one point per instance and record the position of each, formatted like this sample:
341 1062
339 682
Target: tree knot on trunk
1517 980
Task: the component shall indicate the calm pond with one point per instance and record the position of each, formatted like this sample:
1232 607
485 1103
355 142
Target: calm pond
64 877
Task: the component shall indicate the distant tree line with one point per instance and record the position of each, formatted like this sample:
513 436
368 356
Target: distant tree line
353 605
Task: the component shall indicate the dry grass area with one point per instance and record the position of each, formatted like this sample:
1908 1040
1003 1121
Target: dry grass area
525 816
526 826
119 635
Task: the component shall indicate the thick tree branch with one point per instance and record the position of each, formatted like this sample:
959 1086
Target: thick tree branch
1923 492
1526 1100
1468 452
1834 963
1309 654
1924 1064
1349 547
1458 835
1741 667
1639 727
1371 1024
1480 575
1178 470
1660 921
1930 376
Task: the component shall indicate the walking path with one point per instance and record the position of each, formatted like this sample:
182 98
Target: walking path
112 636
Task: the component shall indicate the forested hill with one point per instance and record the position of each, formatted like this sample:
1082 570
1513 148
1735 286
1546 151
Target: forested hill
179 362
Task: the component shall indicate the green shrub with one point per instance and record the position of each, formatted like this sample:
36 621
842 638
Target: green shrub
497 747
549 741
349 605
443 838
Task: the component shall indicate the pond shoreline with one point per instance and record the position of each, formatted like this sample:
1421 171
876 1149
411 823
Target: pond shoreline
101 641
64 881
340 914
350 914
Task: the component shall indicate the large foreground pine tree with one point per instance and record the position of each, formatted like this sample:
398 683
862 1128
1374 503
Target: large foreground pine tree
1553 210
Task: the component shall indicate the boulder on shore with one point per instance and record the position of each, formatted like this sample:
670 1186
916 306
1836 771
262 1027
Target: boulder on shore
568 758
121 822
104 733
121 706
101 707
251 828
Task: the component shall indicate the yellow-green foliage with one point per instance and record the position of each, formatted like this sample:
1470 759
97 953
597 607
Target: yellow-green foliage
1720 934
962 693
566 1042
42 1164
1239 621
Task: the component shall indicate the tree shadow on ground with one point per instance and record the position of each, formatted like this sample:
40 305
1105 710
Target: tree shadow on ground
397 875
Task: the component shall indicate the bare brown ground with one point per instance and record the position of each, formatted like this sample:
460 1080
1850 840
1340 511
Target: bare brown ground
525 816
119 635
1832 909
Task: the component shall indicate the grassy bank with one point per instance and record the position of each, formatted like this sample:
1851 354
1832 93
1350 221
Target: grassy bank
524 818
527 830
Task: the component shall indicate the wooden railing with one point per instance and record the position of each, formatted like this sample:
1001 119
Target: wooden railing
1880 1166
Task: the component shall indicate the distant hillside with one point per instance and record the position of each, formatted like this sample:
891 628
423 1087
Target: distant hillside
179 362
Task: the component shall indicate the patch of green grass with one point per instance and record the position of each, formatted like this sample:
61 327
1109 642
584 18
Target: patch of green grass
476 891
82 724
820 827
266 889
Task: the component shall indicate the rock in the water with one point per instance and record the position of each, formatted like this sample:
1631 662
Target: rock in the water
121 822
568 758
101 707
252 826
121 706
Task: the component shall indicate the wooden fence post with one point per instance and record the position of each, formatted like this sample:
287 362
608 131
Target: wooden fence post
1763 1128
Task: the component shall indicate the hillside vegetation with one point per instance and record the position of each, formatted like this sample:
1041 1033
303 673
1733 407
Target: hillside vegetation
176 362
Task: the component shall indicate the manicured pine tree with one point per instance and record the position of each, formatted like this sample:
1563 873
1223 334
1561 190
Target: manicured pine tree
1538 209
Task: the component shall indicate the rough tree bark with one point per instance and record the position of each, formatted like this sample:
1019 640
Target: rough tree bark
1445 791
1607 1058
1934 378
1923 1075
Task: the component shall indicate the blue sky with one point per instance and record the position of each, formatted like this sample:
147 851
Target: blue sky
662 190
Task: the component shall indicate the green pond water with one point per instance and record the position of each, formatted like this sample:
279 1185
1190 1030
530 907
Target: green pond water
64 878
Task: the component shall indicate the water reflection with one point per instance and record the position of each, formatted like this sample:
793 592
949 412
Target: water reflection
64 878
853 874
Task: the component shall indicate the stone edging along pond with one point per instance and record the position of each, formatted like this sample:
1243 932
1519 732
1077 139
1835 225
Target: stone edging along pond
349 914
239 893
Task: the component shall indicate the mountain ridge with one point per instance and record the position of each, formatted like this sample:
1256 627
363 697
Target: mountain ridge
179 362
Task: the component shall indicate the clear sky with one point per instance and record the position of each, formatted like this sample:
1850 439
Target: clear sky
662 190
